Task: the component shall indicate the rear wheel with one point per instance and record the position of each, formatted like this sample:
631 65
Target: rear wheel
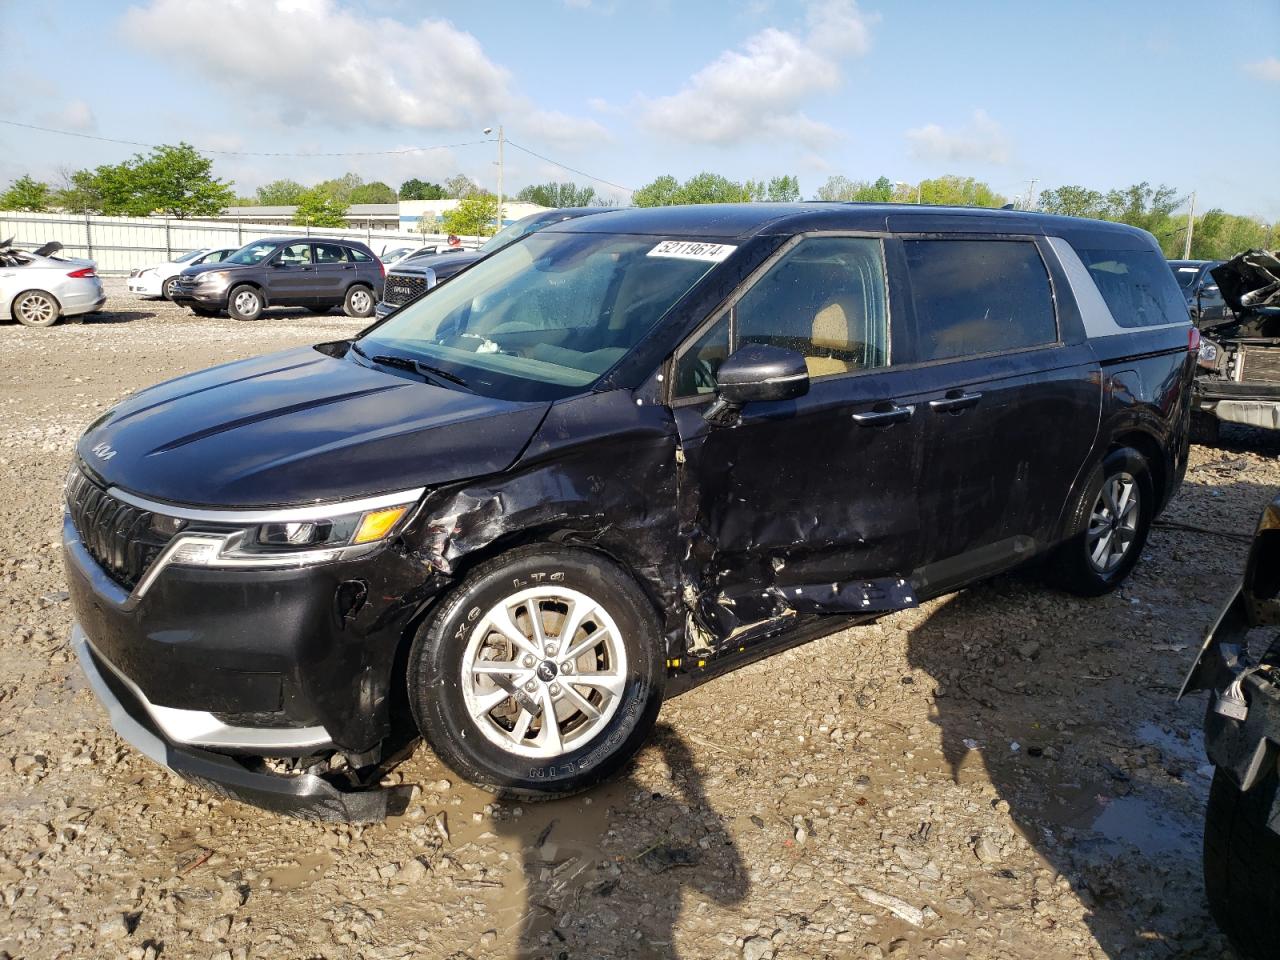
359 302
35 308
1242 864
1108 526
541 674
245 303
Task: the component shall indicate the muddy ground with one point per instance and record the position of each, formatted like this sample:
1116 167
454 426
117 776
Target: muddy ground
1002 773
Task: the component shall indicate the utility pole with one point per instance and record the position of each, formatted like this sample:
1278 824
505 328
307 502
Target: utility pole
489 130
1191 222
1031 192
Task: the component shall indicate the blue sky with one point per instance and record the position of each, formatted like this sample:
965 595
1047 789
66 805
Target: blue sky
1098 93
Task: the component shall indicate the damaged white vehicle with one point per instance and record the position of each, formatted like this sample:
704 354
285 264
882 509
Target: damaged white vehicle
1239 376
37 287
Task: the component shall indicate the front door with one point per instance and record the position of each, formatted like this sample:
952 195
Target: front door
806 505
333 272
293 276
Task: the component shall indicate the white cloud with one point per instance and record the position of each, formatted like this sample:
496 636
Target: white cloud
554 127
758 88
1268 69
982 140
313 61
75 115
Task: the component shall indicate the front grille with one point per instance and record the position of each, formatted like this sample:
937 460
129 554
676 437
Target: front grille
184 284
402 287
1260 363
118 536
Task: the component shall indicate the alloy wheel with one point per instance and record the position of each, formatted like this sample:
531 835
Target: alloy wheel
544 671
1113 524
36 310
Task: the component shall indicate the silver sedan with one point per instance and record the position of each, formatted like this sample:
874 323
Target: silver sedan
37 288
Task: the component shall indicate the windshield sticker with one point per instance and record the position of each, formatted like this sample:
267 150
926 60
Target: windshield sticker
692 250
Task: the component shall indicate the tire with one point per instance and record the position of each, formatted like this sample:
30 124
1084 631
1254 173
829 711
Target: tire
166 290
359 302
1073 567
511 750
245 303
1205 428
35 308
1242 864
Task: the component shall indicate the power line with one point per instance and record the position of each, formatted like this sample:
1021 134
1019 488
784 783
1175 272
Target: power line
356 153
581 173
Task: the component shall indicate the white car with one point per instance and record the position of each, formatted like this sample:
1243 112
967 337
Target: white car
157 280
37 287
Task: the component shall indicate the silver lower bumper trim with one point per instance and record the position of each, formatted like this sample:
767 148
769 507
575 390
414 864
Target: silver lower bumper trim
196 728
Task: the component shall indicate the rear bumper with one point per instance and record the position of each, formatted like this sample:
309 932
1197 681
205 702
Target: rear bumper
305 795
85 297
1254 412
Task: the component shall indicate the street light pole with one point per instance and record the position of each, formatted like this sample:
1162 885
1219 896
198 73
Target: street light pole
1191 223
487 131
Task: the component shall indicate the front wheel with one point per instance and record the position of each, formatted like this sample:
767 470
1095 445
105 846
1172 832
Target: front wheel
169 288
245 303
359 302
541 674
35 308
1242 864
1108 526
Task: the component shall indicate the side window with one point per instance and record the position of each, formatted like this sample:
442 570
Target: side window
359 256
824 298
697 367
330 253
296 254
1137 286
218 256
980 296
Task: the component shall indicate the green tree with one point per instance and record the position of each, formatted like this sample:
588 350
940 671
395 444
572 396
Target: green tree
844 189
784 189
1072 201
473 216
317 207
280 193
79 192
26 193
558 195
662 192
341 188
415 189
1219 235
376 192
957 191
459 186
179 182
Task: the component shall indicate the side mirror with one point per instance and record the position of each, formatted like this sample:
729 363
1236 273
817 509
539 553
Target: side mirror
1210 289
758 371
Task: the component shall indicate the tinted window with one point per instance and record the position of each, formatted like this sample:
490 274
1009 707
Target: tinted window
330 253
359 256
979 296
825 299
1186 276
697 367
253 253
1137 285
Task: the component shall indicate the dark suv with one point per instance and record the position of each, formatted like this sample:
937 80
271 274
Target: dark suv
317 273
604 463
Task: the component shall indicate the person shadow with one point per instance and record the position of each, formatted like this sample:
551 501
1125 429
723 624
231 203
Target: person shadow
606 872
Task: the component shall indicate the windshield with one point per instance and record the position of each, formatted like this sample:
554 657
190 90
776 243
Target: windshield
189 255
251 254
546 317
521 228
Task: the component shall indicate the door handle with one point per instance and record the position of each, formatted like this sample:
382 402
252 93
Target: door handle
891 414
955 401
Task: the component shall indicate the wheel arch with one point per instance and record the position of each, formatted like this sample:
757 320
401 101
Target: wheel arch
1152 453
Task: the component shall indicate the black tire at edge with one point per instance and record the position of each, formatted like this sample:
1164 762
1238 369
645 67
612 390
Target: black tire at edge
1242 864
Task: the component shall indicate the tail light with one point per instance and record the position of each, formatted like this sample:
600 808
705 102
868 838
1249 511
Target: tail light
383 267
82 273
1193 340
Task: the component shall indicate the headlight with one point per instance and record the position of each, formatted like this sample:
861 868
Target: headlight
1208 356
215 276
356 528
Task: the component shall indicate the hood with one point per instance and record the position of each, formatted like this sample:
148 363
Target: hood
200 268
1250 281
298 427
448 262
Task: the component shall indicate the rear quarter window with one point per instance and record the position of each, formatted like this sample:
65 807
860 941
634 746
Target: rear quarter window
359 256
1137 285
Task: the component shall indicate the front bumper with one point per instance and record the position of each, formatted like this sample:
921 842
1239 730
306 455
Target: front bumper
1242 723
305 795
145 285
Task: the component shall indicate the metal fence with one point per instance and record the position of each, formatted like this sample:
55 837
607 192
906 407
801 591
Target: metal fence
119 244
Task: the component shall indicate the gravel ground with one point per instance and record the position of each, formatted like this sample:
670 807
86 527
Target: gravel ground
1001 773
